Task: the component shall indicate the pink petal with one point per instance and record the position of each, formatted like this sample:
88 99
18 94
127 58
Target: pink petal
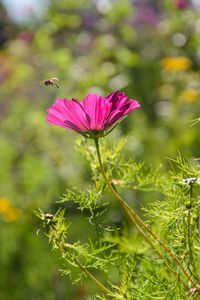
118 114
68 114
132 105
118 99
97 108
76 115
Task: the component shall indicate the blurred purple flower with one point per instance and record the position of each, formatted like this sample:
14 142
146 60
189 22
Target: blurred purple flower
181 4
94 115
146 14
25 36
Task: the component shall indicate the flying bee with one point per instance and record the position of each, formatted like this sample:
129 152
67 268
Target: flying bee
51 82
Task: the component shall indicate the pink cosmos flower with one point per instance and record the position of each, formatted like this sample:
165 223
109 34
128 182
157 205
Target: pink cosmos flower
94 115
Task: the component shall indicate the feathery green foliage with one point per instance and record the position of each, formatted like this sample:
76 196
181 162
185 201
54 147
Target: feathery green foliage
135 270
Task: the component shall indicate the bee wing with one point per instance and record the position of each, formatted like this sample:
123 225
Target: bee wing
54 79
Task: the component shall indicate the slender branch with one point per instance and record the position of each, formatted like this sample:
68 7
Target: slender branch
96 281
88 274
153 247
145 236
189 239
141 231
131 212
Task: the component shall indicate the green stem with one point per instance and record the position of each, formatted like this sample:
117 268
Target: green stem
89 275
145 236
189 236
94 279
131 212
189 239
156 250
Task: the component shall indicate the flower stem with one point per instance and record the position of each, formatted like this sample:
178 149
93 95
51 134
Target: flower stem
131 212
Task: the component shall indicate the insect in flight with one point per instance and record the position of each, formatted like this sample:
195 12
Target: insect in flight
51 82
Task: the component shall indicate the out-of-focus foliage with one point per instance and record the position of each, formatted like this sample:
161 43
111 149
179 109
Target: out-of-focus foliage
150 50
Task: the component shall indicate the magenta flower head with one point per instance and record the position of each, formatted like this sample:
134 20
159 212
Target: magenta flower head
95 116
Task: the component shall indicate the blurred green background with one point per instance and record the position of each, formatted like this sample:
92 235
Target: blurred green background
148 49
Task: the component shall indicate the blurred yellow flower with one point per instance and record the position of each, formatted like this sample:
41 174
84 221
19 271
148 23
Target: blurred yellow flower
189 96
12 214
4 205
9 212
178 63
